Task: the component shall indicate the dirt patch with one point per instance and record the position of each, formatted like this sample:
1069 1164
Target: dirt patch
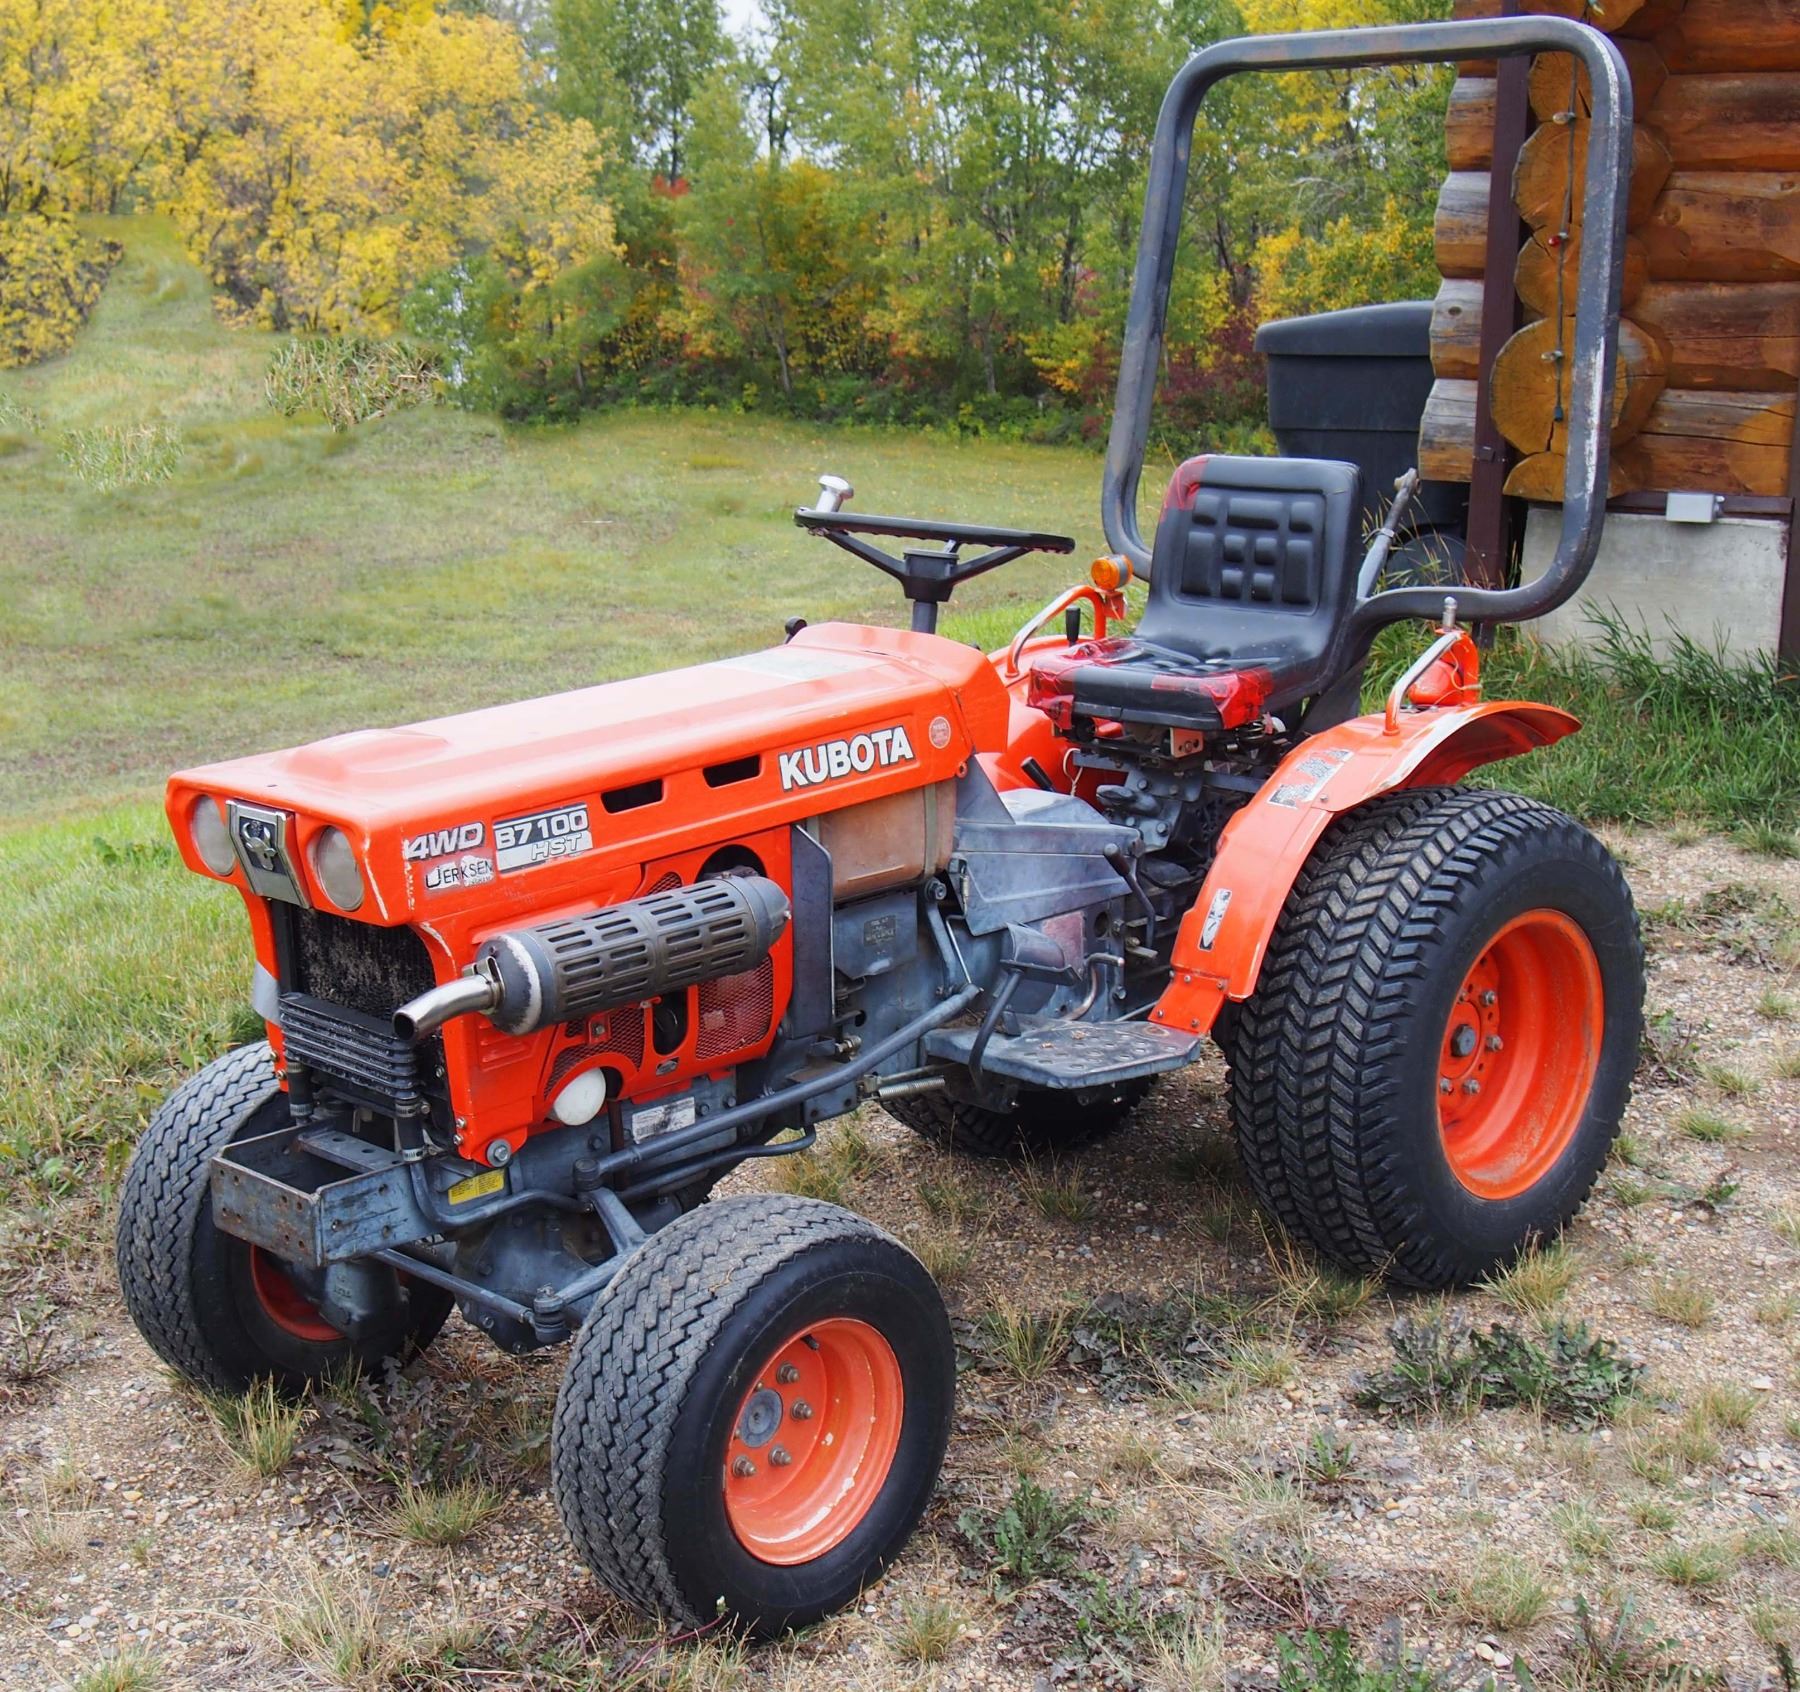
1159 1463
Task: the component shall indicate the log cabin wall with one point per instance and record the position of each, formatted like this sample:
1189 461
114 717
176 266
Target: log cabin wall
1710 342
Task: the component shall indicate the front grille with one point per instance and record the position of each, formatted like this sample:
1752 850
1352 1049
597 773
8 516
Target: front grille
358 965
342 982
360 1053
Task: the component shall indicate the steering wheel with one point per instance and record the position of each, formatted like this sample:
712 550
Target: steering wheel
926 577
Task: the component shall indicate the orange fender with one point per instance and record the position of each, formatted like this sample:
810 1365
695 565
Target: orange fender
1219 951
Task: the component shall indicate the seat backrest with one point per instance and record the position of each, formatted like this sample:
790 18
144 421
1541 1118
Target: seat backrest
1254 561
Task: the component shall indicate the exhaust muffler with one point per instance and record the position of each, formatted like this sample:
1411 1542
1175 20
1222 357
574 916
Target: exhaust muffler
526 978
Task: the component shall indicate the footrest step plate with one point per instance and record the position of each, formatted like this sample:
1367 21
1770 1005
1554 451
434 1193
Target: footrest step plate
1072 1055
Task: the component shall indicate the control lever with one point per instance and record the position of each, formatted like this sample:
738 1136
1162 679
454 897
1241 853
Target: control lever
834 491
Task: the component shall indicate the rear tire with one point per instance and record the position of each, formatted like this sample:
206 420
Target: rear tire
1041 1124
696 1361
219 1311
1435 1063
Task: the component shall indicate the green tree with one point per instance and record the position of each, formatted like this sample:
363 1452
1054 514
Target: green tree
984 135
775 259
632 68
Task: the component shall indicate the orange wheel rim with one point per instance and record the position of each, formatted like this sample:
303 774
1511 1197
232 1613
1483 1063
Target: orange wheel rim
284 1303
1519 1054
813 1442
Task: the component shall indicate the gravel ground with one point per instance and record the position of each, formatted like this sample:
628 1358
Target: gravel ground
1256 1501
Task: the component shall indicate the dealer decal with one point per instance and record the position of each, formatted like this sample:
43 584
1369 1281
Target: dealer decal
542 837
830 760
472 869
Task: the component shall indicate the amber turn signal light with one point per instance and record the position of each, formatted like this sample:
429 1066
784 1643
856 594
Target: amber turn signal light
1111 573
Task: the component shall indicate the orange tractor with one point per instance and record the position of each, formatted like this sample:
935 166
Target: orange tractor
537 977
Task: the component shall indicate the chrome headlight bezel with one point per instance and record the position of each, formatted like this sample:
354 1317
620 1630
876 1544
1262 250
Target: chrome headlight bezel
210 837
336 869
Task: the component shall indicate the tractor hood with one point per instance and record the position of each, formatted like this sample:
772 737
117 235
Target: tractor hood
488 803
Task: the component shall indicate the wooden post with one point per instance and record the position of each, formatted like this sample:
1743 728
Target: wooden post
1490 513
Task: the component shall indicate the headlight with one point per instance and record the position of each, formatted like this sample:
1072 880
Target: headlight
211 838
334 863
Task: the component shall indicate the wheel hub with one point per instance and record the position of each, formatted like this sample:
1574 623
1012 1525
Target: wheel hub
1520 1048
762 1415
834 1394
284 1303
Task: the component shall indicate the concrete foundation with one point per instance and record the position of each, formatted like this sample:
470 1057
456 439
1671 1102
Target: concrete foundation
1718 583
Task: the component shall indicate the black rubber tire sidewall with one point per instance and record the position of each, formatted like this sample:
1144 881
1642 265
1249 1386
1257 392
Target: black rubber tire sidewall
831 1281
1479 1230
187 1284
662 1364
1040 1123
1333 1059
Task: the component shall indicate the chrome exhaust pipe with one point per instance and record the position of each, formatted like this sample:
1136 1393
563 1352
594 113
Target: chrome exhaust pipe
476 991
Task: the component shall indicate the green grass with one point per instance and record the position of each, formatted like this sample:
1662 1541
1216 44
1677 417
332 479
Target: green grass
442 1515
122 972
1693 735
283 581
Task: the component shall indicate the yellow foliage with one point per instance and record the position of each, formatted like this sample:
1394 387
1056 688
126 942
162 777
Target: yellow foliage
350 170
50 277
321 157
371 17
1344 266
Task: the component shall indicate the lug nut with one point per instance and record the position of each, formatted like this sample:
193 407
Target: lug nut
742 1467
1494 1043
800 1410
1471 1087
787 1374
1445 1084
1490 998
779 1457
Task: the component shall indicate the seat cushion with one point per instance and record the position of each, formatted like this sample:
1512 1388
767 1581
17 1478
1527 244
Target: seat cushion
1133 681
1253 566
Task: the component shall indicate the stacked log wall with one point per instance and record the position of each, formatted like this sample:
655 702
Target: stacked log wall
1710 341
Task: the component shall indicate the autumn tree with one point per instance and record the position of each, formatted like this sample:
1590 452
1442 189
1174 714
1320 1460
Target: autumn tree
345 169
776 262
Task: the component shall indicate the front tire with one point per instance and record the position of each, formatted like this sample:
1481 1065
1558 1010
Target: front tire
216 1309
1435 1063
754 1414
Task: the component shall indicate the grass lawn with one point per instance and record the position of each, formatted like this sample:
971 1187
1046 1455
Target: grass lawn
289 582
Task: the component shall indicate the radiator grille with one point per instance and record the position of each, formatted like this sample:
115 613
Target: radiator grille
357 1051
358 965
354 976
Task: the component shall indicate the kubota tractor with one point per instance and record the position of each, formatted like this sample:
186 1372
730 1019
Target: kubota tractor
537 977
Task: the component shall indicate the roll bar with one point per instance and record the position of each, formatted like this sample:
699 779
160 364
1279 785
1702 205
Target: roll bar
1597 298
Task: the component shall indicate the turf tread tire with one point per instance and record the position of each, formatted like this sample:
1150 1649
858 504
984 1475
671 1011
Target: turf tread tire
633 1362
1319 1049
165 1185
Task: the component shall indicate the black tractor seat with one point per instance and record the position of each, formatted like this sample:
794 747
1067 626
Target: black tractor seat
1252 579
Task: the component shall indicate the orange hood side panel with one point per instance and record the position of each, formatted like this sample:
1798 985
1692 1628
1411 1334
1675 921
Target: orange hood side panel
661 764
470 824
